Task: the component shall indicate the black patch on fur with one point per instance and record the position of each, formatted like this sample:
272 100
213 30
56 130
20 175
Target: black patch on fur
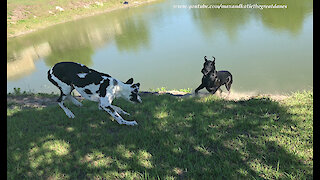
61 95
110 108
134 97
68 72
115 82
56 84
51 80
87 91
130 81
103 88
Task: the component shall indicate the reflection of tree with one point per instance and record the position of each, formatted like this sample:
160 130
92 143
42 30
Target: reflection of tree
229 20
76 40
212 20
135 34
70 44
81 55
21 63
290 19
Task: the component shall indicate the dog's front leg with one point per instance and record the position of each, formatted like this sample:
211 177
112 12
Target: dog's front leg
105 104
213 90
117 117
199 88
119 110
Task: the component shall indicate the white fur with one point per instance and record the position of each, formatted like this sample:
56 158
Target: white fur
119 89
93 88
74 100
82 75
66 110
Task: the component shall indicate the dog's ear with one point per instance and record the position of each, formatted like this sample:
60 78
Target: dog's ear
214 59
138 84
205 58
130 81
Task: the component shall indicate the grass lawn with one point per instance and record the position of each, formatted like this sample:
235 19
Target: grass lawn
177 138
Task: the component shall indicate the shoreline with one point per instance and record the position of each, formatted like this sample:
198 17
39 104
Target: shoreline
41 100
77 17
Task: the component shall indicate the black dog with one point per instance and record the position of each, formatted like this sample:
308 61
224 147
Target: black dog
212 79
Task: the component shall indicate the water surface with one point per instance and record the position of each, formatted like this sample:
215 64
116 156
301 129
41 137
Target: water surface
267 51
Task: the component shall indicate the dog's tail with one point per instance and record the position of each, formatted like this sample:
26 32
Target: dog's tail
230 79
229 82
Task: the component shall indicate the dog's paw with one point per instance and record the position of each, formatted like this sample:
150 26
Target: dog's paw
123 112
132 123
79 104
70 114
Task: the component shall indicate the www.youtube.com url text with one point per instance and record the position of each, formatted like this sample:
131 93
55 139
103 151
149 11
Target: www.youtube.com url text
230 6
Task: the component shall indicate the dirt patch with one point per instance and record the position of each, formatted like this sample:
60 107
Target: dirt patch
30 101
233 96
18 14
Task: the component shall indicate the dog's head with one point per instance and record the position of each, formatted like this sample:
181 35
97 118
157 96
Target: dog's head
208 65
132 94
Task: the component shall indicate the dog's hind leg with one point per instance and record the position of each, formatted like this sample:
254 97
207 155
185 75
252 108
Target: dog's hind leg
74 100
65 91
65 109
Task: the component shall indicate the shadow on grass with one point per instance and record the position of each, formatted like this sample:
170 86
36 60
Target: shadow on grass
183 138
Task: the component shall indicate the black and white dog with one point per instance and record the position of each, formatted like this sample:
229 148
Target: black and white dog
94 86
212 79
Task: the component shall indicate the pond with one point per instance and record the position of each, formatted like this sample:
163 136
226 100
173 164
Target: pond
160 45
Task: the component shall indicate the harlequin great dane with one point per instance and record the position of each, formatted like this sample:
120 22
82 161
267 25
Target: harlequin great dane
94 86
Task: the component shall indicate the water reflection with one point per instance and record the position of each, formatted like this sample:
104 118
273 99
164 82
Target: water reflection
230 20
21 63
290 19
159 32
211 21
136 34
78 40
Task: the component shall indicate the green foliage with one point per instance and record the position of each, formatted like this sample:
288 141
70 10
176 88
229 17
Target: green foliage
190 138
17 91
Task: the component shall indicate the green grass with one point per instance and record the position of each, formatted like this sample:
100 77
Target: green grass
177 138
